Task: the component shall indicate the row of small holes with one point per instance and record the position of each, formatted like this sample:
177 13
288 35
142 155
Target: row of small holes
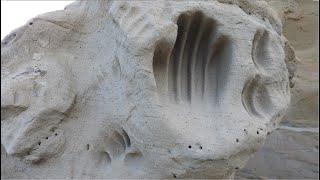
237 140
191 147
247 131
56 134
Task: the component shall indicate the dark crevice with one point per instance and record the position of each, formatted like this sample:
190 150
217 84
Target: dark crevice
197 67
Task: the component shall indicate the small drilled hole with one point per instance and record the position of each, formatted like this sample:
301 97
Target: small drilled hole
39 143
174 176
257 132
30 23
189 147
200 147
291 85
88 146
47 137
236 167
237 140
249 13
56 134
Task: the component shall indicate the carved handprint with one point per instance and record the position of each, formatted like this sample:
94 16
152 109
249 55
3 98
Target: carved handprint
198 64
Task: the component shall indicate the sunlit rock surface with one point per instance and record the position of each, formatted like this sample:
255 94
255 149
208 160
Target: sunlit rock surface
134 89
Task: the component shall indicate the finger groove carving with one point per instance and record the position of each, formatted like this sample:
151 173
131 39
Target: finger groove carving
198 62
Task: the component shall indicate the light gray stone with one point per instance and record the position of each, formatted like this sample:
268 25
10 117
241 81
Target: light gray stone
292 151
140 89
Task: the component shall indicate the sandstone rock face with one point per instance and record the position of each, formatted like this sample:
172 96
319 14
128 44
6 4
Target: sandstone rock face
134 89
292 151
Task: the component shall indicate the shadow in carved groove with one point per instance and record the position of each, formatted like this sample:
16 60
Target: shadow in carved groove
196 70
260 92
256 98
117 143
260 52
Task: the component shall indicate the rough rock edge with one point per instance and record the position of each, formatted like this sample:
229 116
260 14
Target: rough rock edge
261 8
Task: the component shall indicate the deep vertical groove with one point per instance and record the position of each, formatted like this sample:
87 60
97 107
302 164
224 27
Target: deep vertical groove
223 63
217 63
208 41
210 74
185 61
161 65
192 49
175 56
178 52
194 73
198 62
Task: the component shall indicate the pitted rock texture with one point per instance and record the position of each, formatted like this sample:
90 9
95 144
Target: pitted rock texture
292 151
134 89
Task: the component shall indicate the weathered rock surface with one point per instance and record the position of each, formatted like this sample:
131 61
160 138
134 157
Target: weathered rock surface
292 152
133 89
